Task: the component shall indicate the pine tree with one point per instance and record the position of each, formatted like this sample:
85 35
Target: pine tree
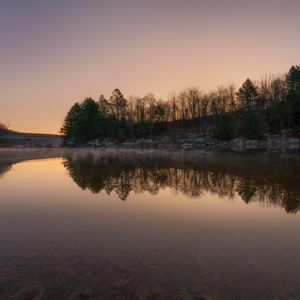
247 95
226 129
119 104
68 130
293 78
88 119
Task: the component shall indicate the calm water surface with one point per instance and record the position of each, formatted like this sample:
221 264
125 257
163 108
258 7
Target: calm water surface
149 227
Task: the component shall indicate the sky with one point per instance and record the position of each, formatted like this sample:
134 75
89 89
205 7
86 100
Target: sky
55 53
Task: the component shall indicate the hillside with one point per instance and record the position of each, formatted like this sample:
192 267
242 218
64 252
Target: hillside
9 138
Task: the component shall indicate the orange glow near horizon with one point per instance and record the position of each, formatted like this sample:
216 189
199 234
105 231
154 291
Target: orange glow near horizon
54 55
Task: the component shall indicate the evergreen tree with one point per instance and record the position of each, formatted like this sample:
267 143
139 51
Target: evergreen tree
68 130
293 99
293 78
88 120
247 95
226 128
252 127
111 127
119 104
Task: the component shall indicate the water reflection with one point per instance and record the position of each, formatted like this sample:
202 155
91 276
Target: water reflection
59 242
269 181
4 167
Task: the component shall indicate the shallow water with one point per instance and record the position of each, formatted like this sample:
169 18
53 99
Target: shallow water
149 227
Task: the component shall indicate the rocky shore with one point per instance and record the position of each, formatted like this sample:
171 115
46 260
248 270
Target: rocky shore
195 142
189 142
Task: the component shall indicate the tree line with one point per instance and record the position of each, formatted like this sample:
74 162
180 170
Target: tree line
257 108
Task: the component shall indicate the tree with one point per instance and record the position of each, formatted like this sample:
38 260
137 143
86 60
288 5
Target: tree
226 128
293 98
278 90
104 105
150 101
193 100
3 127
214 108
111 127
88 120
293 78
252 127
68 129
119 104
173 107
247 95
273 118
231 99
159 112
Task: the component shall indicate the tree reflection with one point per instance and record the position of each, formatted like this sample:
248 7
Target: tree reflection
254 181
4 168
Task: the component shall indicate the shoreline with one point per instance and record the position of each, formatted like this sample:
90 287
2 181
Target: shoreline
193 142
14 155
211 145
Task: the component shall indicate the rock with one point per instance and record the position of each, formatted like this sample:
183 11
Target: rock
191 135
144 141
199 140
192 141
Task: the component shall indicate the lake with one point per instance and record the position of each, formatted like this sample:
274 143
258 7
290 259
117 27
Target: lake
149 225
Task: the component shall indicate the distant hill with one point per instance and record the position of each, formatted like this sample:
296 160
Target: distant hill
12 133
9 138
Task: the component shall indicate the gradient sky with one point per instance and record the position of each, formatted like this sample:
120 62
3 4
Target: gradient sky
54 53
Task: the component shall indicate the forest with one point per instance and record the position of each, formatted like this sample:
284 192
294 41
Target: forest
256 110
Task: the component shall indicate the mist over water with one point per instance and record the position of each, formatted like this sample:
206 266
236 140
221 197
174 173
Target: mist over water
142 225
